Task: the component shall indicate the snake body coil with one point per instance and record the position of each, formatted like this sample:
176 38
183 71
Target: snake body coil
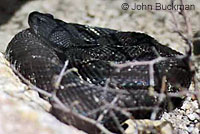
39 54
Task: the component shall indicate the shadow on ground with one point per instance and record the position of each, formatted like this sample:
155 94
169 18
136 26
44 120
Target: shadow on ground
8 8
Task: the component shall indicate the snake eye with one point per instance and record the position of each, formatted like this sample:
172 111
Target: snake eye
49 15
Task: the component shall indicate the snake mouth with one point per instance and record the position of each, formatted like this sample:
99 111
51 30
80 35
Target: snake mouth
33 20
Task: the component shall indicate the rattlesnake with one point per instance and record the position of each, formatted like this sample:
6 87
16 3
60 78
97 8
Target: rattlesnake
95 54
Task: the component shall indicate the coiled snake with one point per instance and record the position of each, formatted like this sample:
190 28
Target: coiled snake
39 54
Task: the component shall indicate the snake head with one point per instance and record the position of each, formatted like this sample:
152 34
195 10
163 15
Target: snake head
46 27
42 24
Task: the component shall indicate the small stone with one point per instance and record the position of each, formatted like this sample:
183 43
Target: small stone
191 116
186 106
148 126
180 131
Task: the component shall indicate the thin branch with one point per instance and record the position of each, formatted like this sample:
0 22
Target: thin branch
101 116
113 115
187 21
188 27
161 98
188 41
30 85
89 120
61 106
62 73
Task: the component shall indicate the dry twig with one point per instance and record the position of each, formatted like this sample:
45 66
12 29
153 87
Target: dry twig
188 41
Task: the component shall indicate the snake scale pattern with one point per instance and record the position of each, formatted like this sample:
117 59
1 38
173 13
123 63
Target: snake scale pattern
39 54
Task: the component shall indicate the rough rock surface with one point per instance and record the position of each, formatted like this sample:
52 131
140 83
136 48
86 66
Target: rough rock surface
27 109
22 110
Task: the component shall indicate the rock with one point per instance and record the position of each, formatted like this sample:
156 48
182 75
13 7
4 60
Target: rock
147 127
193 116
186 119
23 111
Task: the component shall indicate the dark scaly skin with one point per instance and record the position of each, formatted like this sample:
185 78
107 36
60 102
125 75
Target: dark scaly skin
39 54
